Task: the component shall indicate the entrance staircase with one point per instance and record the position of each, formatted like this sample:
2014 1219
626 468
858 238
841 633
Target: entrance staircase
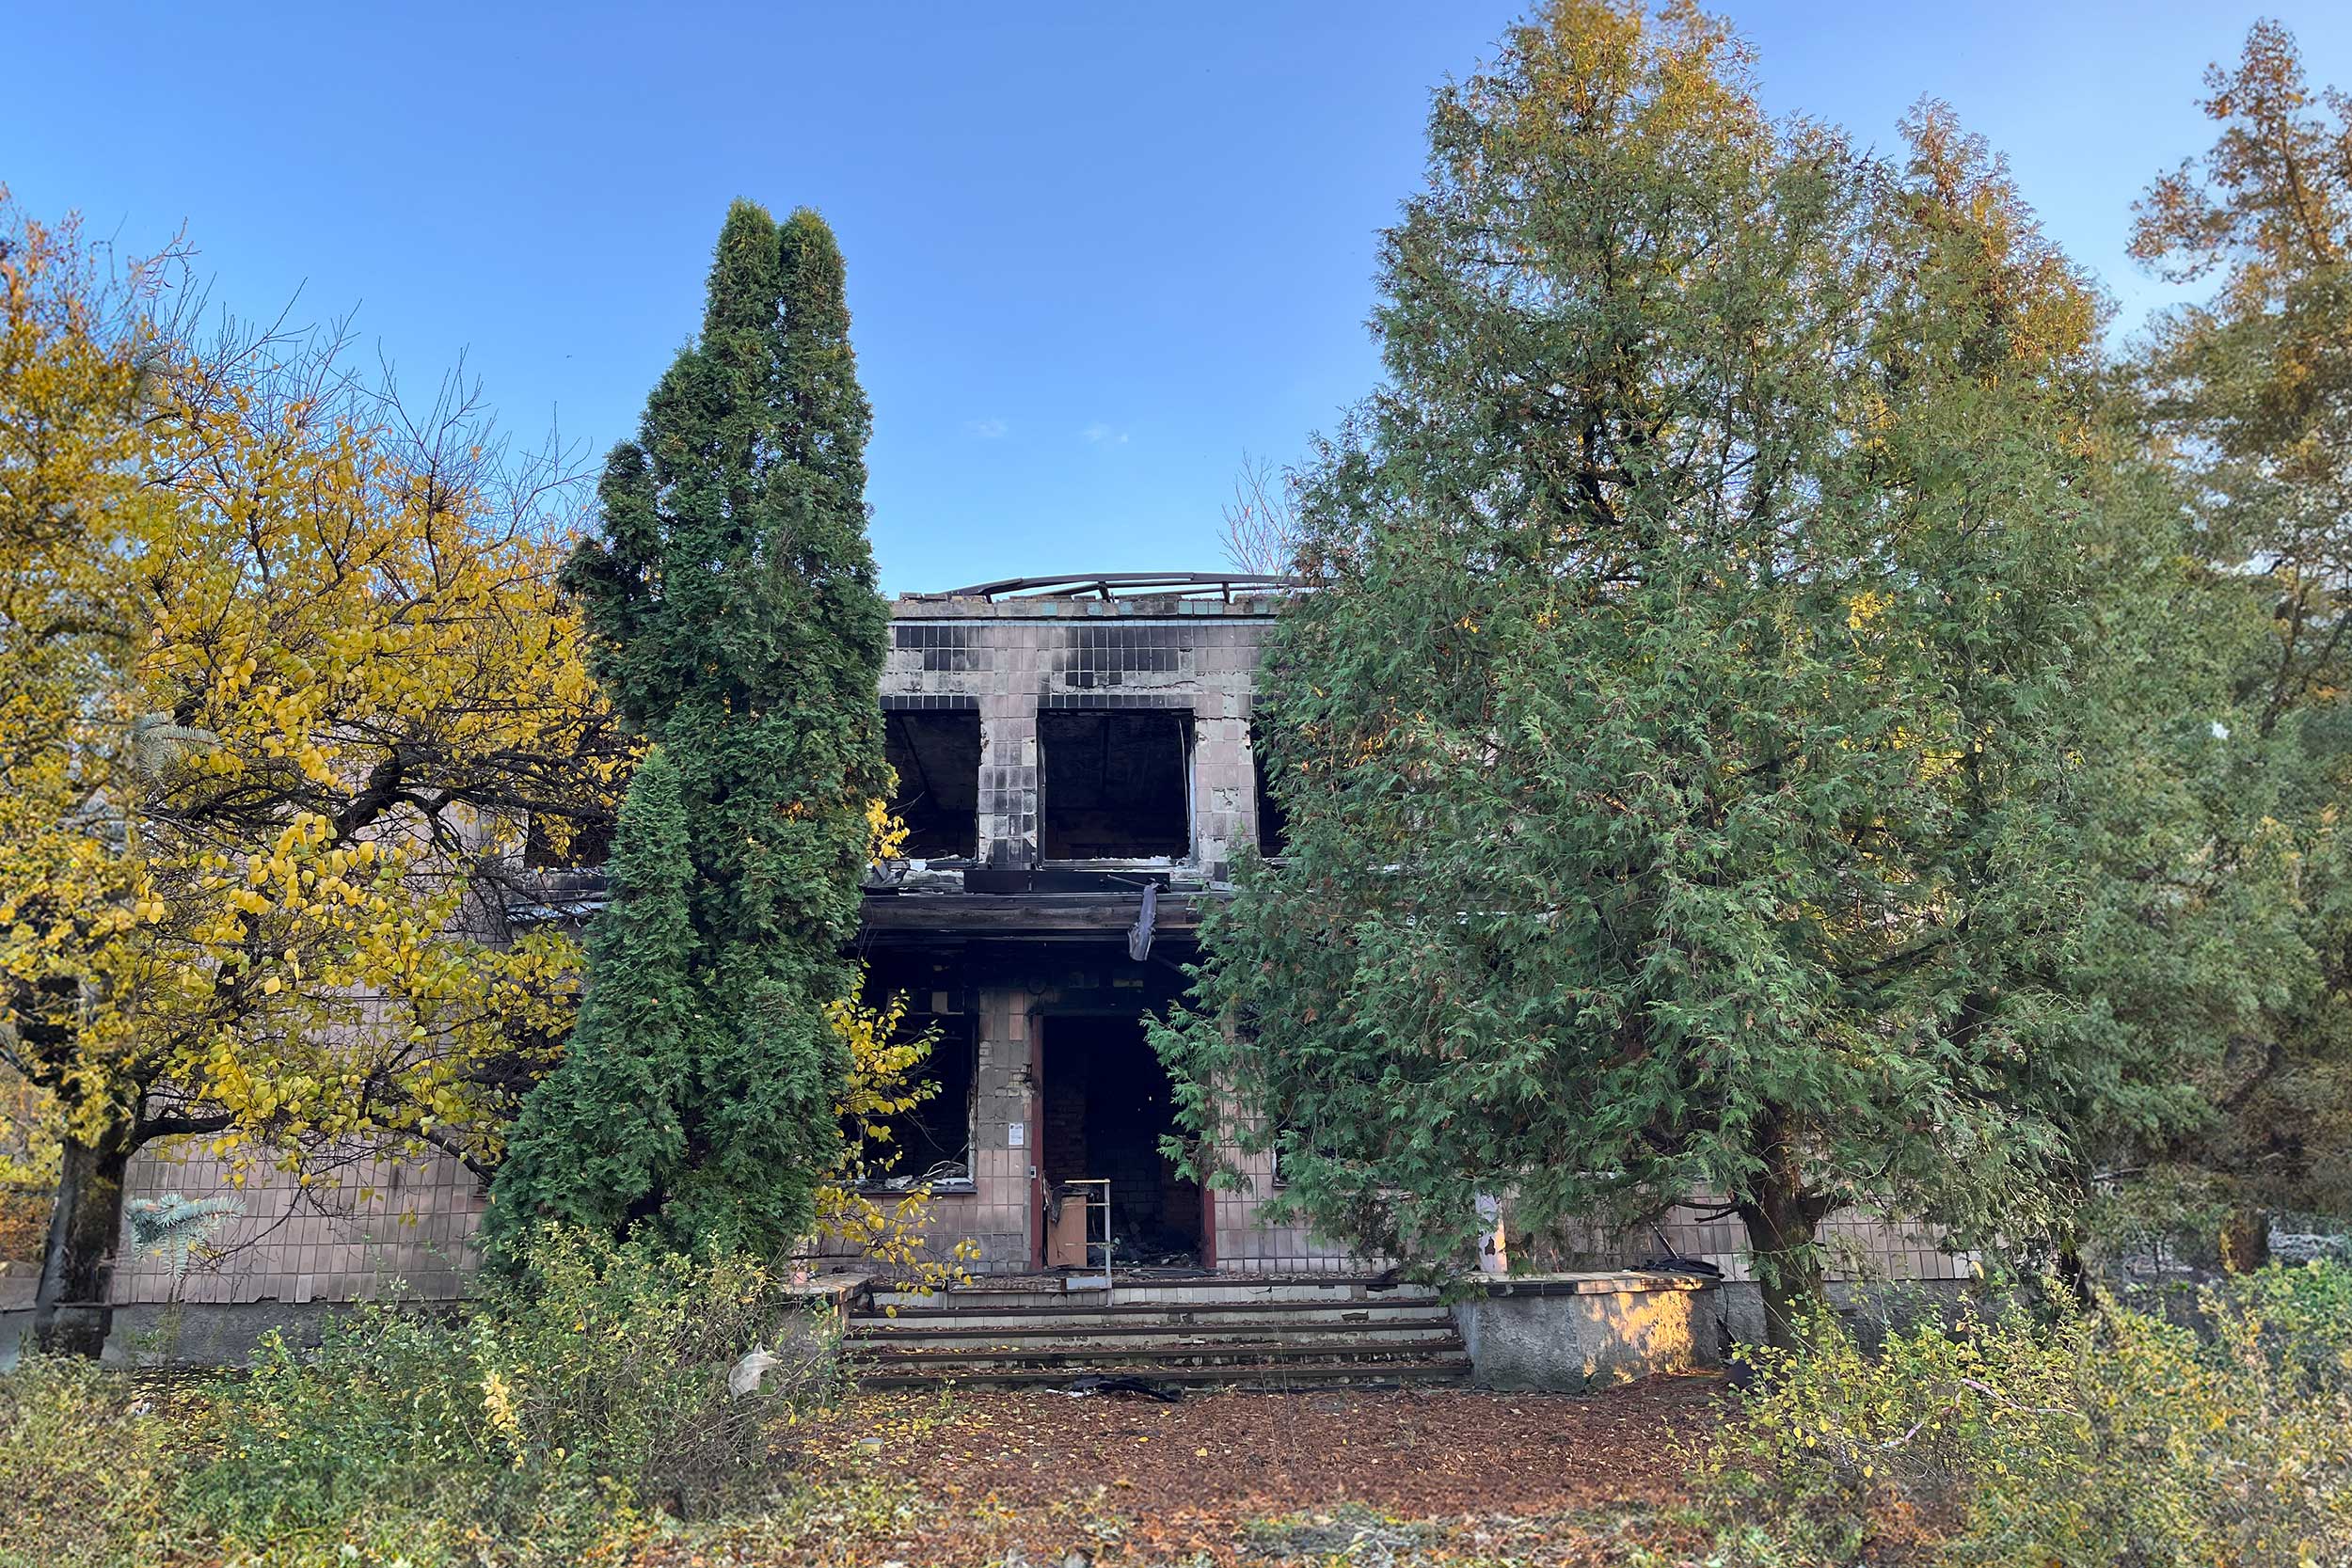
1222 1331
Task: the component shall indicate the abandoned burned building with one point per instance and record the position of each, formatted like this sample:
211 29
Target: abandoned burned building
1077 773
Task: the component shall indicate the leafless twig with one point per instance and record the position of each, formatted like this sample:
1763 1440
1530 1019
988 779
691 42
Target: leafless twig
1262 527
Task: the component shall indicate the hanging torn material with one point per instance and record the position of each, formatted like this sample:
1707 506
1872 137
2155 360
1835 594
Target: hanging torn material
1139 934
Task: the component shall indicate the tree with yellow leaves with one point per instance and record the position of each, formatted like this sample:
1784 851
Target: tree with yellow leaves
286 673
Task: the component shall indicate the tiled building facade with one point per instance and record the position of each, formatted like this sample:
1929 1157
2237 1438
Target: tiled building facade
1060 753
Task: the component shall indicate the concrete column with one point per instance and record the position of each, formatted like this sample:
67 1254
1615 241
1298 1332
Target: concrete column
1009 771
1005 1131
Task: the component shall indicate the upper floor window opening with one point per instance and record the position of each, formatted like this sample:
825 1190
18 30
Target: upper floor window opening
1116 784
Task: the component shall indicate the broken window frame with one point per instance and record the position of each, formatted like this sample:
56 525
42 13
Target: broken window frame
591 837
1262 797
591 845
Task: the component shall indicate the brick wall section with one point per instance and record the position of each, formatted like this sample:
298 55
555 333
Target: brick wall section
347 1236
993 1210
1250 1241
362 1227
1007 1098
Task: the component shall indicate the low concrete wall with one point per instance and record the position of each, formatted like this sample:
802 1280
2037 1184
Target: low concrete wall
1866 1307
215 1334
224 1333
1568 1332
193 1334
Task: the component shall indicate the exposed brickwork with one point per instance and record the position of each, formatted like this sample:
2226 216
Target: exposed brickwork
355 1234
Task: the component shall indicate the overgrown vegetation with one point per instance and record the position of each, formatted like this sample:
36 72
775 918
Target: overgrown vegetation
2217 1430
543 1420
89 1483
591 1421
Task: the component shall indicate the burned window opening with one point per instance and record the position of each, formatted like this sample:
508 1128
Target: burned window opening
1117 784
937 756
1273 822
579 840
932 1141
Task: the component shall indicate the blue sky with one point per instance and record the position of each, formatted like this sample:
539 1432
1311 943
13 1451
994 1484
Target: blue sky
1097 252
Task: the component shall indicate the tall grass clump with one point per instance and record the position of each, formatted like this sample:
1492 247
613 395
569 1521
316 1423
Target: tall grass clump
89 1465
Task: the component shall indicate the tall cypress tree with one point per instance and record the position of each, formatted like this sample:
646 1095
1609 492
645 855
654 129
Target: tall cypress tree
734 619
591 1141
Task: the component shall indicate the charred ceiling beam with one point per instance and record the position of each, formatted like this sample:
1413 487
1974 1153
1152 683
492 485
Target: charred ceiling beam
1109 585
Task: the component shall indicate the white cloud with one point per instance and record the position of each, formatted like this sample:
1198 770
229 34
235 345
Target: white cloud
987 430
1104 435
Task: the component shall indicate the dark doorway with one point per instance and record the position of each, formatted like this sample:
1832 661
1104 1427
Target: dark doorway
1107 1103
1117 784
936 753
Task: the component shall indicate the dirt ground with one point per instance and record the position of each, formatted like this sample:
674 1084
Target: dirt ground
1412 1453
1046 1479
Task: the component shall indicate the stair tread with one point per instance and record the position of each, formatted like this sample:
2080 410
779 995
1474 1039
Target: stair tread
1448 1369
1138 1308
1110 1346
888 1333
1242 1350
1284 1336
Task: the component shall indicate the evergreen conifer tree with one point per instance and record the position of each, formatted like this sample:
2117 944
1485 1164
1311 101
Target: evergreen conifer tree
2249 393
592 1139
1698 756
734 620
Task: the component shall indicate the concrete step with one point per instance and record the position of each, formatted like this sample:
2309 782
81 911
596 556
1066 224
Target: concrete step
1151 1363
1144 1336
1029 1294
1268 1333
1145 1339
1075 1319
1272 1376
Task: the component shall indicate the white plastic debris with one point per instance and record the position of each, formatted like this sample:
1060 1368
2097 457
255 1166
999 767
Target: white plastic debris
743 1377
